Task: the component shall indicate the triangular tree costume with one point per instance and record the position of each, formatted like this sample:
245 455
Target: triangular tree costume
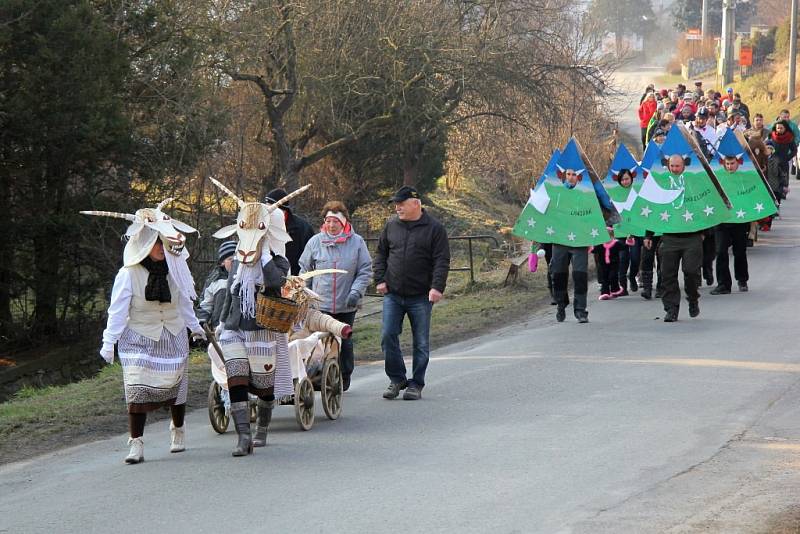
750 196
624 197
689 202
558 214
652 155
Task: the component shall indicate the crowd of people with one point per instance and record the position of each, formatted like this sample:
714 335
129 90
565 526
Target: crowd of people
151 304
628 263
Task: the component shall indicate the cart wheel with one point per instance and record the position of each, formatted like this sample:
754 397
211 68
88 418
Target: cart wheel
216 409
331 389
304 403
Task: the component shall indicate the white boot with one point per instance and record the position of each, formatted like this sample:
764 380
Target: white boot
137 451
177 437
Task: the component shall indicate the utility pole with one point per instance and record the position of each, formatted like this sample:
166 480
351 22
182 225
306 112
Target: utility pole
792 51
728 37
704 22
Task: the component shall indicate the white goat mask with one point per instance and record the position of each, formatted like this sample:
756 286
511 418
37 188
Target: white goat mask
255 223
147 225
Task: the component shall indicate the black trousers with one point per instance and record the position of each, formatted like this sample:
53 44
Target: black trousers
649 257
629 259
732 235
709 252
559 266
346 358
685 253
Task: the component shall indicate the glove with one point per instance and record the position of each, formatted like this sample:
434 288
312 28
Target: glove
107 352
353 299
199 334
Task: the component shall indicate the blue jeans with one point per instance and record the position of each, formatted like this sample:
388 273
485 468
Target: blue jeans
395 309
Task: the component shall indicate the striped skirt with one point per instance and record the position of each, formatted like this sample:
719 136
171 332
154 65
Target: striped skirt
154 372
258 359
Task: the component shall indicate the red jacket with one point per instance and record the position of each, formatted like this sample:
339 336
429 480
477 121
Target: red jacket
646 110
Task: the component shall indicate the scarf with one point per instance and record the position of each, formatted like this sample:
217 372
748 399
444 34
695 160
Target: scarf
245 283
157 288
329 240
784 138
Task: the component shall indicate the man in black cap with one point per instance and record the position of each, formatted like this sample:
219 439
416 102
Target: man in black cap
410 270
297 228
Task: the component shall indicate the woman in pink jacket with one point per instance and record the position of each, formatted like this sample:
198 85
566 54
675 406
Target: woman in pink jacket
646 110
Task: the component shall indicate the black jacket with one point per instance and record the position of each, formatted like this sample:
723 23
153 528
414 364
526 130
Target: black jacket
300 232
413 257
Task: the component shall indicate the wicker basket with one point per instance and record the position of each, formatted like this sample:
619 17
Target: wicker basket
276 314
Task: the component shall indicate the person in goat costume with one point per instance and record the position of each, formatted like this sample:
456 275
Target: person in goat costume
256 359
150 309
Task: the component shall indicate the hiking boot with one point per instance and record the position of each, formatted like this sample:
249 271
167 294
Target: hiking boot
721 290
671 316
561 314
659 293
743 288
709 280
394 390
413 392
177 437
136 454
694 308
582 317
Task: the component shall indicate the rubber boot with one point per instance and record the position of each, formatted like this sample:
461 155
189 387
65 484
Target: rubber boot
240 411
647 284
264 411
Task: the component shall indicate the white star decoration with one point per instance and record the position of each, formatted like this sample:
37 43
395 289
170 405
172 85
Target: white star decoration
594 232
740 214
665 215
759 207
550 230
646 211
531 222
709 210
571 236
688 216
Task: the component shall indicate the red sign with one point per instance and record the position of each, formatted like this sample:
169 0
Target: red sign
693 34
746 55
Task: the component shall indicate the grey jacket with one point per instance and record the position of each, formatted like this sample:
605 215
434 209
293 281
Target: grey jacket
274 277
351 256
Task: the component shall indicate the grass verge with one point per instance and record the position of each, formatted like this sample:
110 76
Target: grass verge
36 421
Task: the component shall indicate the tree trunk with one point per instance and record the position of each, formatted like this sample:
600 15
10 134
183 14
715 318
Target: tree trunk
45 285
7 253
411 162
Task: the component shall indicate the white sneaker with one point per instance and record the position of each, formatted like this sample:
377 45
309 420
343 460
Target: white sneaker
177 437
137 451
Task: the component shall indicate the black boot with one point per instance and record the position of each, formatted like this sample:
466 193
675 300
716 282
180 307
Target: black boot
671 315
240 411
264 416
634 285
647 284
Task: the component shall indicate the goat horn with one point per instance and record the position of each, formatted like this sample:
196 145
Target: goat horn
287 198
117 215
164 203
230 193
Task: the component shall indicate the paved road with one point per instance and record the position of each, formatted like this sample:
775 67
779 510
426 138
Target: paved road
626 424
